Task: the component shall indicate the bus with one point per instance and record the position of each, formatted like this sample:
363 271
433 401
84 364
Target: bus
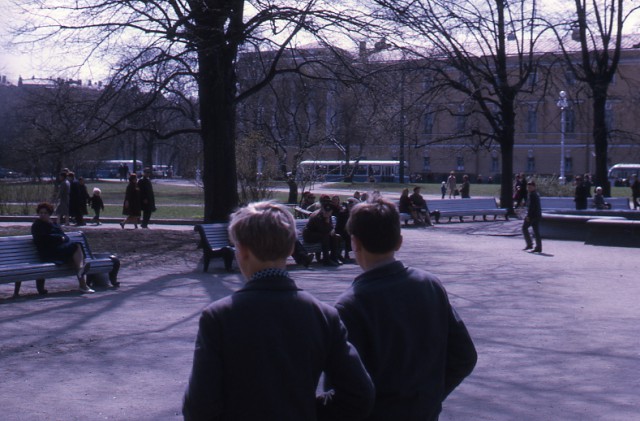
365 170
620 174
107 169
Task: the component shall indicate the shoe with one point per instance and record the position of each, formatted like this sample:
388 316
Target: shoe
83 270
527 248
536 250
307 261
122 225
115 284
86 290
329 262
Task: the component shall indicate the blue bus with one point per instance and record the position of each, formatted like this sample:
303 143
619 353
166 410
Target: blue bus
363 170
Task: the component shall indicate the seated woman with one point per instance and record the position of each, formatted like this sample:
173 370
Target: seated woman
406 206
53 244
598 200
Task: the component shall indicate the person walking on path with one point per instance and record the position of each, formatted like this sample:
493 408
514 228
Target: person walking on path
131 207
260 352
534 214
451 184
62 210
411 340
147 198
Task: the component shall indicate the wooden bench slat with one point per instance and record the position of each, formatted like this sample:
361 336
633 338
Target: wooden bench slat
20 261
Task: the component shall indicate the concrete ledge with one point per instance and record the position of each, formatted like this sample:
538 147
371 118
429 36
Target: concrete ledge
560 226
609 232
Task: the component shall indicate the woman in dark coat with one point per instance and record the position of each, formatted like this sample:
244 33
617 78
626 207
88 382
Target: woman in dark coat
53 244
132 206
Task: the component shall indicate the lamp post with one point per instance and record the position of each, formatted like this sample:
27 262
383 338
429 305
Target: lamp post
562 104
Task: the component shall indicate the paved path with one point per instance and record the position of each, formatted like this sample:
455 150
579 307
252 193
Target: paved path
558 334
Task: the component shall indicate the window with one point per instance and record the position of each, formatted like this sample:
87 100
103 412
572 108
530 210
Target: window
460 163
609 117
568 164
532 121
531 164
569 122
461 120
426 163
428 124
570 77
495 164
533 78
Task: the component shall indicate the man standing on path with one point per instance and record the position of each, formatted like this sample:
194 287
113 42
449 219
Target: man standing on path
534 213
411 340
147 198
62 210
260 351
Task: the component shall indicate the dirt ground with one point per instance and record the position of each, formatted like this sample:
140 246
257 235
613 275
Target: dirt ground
138 248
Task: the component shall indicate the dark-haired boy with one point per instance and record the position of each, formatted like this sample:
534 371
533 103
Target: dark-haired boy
411 340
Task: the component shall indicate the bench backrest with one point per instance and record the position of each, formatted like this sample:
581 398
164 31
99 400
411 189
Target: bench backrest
446 205
568 203
20 249
618 202
557 203
215 236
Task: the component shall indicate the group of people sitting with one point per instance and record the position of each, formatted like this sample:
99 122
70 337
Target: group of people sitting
416 206
327 226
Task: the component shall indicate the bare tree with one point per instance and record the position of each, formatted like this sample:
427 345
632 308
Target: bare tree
198 40
598 29
483 52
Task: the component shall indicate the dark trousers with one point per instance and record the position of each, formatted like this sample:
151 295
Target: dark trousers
330 244
146 216
535 225
636 202
97 217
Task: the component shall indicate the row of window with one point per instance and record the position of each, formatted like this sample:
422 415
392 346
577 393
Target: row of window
532 121
495 164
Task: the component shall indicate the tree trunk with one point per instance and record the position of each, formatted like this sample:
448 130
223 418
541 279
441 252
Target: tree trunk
600 140
507 140
216 81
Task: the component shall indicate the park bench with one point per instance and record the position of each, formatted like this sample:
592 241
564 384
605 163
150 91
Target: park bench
20 261
214 242
466 207
300 213
615 202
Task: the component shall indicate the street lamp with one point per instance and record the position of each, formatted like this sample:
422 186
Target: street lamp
562 104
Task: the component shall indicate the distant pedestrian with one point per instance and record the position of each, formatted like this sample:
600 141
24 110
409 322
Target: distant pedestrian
443 189
534 214
465 188
260 352
451 185
635 191
62 209
581 194
96 204
147 198
132 206
598 200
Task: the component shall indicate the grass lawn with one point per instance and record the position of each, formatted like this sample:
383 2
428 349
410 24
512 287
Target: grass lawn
175 201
